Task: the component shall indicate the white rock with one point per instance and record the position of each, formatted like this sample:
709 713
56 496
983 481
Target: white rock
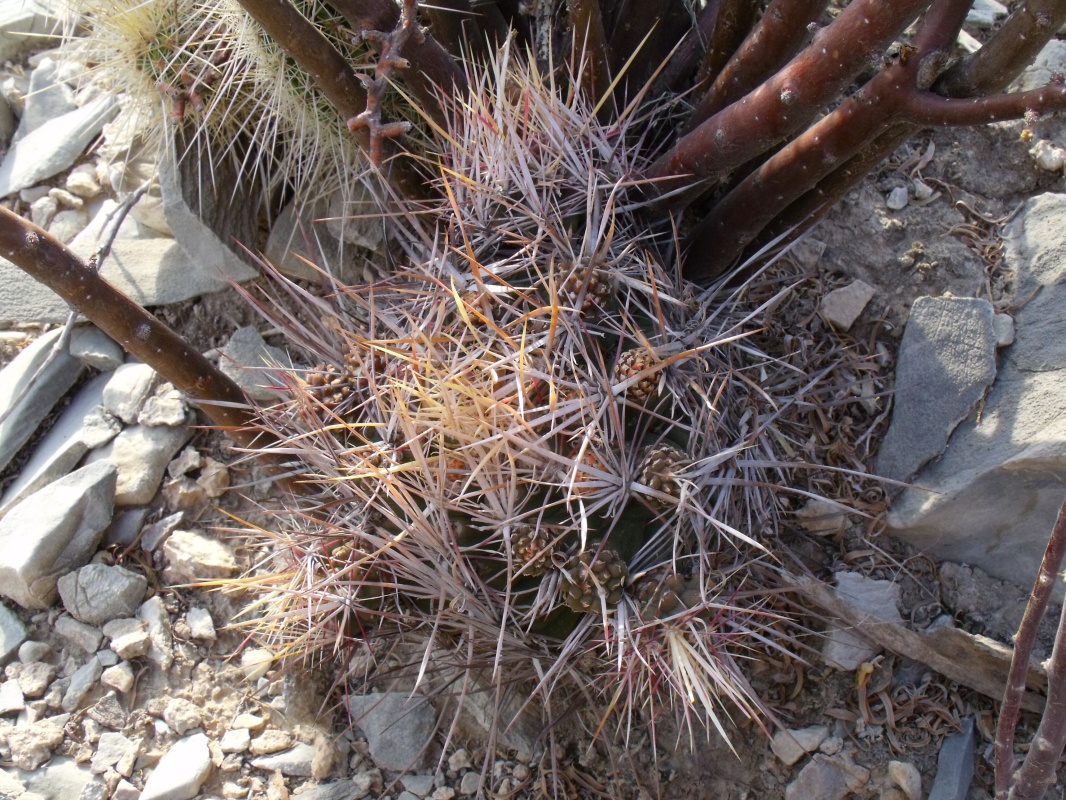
214 478
256 663
130 386
129 637
32 194
31 745
906 776
11 697
792 745
31 651
161 649
109 751
85 637
201 626
43 211
118 677
841 307
922 190
83 679
82 426
165 407
845 648
12 634
1003 327
52 531
94 348
1037 75
66 199
107 657
247 359
897 198
235 741
1047 156
126 791
192 557
984 13
181 772
54 146
97 593
141 455
181 715
54 382
821 517
252 722
82 182
296 761
67 224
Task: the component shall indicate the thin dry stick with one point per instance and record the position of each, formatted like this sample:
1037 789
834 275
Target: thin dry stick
47 260
1046 578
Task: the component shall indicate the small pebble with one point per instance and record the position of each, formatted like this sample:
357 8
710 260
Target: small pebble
897 198
256 663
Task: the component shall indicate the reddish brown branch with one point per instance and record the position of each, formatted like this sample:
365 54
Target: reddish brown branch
432 70
1024 640
590 54
779 35
1018 41
787 102
645 34
735 18
47 260
690 52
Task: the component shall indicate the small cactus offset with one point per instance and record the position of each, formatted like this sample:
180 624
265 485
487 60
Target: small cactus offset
531 440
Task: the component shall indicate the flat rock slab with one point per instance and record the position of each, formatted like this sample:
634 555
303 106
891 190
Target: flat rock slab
53 531
844 647
947 361
955 765
53 146
398 727
141 454
29 411
992 498
12 634
97 593
81 427
23 24
180 773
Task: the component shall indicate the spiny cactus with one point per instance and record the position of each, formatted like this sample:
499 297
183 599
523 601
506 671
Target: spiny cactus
508 474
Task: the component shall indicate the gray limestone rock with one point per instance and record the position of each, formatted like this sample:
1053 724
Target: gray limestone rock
28 413
12 634
992 498
301 236
947 361
180 773
845 648
11 697
47 98
398 727
955 765
82 426
209 211
109 751
97 593
85 637
23 24
66 225
95 349
354 788
140 454
53 531
82 681
53 146
165 407
247 359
